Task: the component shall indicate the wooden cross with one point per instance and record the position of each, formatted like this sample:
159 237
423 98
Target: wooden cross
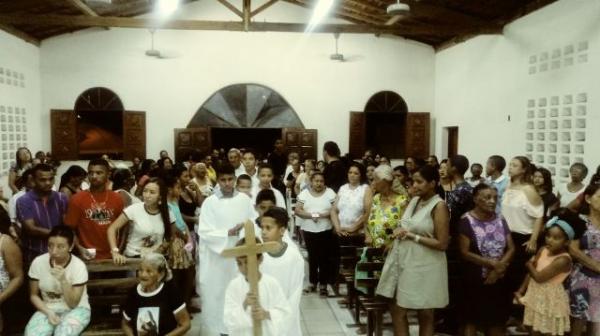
249 250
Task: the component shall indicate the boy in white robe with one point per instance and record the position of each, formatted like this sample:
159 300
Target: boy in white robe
285 265
265 177
265 200
242 307
222 216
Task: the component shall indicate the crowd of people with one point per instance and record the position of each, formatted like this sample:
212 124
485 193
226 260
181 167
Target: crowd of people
483 253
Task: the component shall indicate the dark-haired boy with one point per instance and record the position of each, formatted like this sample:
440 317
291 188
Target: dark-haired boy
265 177
493 170
285 265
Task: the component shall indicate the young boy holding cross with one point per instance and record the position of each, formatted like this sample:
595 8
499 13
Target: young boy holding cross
286 264
243 308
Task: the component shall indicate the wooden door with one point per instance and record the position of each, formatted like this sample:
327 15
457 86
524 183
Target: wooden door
417 134
188 140
357 134
63 133
303 141
134 135
452 141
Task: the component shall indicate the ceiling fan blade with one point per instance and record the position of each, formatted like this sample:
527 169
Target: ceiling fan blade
393 20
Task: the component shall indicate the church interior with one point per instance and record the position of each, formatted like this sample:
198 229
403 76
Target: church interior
403 78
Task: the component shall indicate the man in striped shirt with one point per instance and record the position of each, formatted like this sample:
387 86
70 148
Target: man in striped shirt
39 210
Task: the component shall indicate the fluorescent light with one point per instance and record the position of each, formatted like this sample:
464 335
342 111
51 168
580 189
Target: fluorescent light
166 7
319 13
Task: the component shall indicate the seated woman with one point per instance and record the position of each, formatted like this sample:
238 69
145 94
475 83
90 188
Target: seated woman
154 306
58 288
150 225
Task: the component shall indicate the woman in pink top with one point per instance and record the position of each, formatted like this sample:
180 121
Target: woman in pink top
546 300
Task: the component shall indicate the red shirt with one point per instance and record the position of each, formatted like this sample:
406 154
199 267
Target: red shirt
91 214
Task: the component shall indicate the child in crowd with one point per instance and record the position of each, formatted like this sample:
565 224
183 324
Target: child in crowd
154 306
244 184
285 265
265 177
476 178
546 301
242 307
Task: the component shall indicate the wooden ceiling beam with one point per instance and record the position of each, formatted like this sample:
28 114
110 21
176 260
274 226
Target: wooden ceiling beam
20 34
246 8
85 9
147 23
343 12
21 5
231 8
263 7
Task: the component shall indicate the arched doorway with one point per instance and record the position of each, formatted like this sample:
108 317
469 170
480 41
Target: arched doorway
98 124
245 115
387 127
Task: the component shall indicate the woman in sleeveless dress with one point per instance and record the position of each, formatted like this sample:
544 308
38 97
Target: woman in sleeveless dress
415 273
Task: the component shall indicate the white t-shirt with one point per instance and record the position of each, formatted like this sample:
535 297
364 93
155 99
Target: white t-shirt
351 204
318 204
566 196
52 294
146 232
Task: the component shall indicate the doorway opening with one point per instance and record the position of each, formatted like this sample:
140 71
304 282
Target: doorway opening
261 140
450 141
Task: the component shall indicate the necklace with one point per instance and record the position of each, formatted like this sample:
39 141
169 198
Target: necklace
94 199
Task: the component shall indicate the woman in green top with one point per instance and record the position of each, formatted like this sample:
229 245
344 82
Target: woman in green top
386 210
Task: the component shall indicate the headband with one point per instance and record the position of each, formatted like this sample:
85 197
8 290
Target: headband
563 225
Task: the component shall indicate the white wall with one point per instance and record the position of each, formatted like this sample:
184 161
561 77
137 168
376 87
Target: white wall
481 82
23 58
297 66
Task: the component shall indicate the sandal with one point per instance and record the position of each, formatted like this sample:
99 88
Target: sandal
323 292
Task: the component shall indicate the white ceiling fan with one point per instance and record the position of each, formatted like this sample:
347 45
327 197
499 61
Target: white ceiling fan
397 11
152 52
337 56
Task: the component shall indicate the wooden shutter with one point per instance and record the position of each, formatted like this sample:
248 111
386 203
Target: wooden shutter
190 139
357 134
134 135
417 134
63 130
303 141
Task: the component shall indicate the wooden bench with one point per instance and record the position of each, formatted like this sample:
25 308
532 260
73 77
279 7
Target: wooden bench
349 256
108 287
373 306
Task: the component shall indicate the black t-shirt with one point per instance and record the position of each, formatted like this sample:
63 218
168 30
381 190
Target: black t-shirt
153 313
336 175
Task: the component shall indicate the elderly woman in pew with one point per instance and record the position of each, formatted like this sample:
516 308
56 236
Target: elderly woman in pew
415 274
486 247
58 289
386 209
154 306
11 262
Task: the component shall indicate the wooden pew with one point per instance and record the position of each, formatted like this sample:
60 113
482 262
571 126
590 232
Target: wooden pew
368 302
108 288
349 256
